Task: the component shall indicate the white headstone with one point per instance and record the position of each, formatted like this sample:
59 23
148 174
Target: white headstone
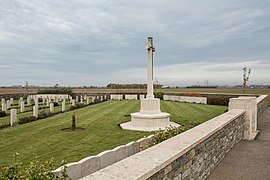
87 100
35 111
36 103
11 101
8 104
63 106
51 107
77 98
81 99
4 107
43 100
22 106
13 116
3 100
73 102
28 100
47 102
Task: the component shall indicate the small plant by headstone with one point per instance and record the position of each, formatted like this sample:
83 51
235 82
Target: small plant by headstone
73 127
73 121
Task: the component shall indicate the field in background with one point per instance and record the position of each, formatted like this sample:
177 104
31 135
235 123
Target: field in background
176 90
171 90
45 139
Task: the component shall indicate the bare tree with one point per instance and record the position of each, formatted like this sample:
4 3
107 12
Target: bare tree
246 73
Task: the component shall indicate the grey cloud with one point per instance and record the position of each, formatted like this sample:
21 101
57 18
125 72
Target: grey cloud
95 39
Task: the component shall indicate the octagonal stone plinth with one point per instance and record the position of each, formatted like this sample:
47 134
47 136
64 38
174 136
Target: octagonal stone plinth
150 118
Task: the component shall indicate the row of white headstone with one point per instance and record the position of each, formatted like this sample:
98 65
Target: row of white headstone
49 103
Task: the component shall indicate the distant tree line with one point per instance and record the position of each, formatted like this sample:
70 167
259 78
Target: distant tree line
56 90
132 86
196 86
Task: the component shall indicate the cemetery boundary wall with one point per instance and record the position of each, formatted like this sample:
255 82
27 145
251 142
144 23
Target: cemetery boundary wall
198 100
92 164
262 104
190 155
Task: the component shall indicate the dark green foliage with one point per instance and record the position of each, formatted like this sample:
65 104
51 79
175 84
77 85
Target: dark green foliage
33 170
218 100
32 102
44 114
27 119
3 113
55 104
72 108
159 95
56 91
169 132
79 105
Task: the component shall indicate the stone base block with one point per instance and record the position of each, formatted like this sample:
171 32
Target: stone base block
148 122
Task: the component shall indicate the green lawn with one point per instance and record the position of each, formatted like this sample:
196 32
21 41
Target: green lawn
44 138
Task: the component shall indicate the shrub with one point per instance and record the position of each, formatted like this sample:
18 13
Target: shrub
79 105
223 101
56 90
159 95
169 132
43 114
3 113
27 119
72 108
55 104
33 170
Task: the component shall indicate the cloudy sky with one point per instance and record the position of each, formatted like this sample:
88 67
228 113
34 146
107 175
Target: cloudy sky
96 42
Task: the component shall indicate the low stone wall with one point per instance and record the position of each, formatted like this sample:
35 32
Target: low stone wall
190 99
116 96
92 164
131 96
190 155
262 104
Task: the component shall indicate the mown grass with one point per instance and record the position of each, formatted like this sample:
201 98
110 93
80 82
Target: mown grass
45 139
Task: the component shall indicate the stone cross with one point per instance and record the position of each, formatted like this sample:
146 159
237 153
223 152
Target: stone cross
151 49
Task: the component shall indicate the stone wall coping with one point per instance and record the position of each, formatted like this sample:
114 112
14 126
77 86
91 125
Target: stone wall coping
261 98
146 163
